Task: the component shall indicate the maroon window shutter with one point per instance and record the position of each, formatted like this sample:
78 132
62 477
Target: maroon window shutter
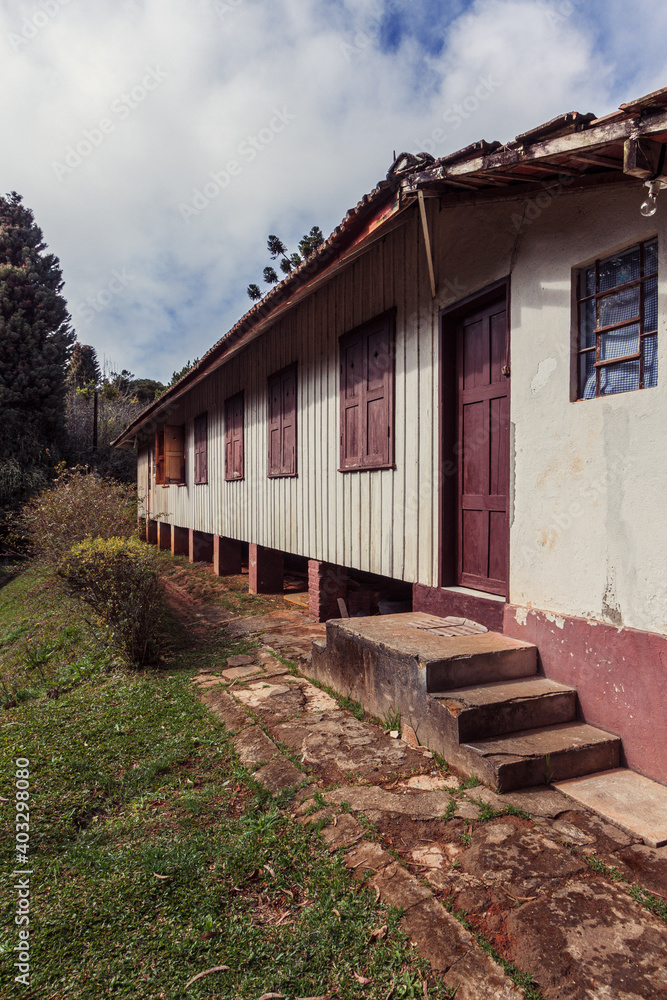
229 438
378 367
201 448
159 456
236 408
351 381
174 453
289 423
275 429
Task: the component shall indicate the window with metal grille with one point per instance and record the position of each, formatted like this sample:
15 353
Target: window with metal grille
617 300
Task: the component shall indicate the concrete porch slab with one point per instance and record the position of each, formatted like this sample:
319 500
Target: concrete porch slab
631 801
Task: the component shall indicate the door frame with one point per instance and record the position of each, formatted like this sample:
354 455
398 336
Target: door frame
448 464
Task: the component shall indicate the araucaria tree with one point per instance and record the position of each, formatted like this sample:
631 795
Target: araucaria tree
35 343
288 261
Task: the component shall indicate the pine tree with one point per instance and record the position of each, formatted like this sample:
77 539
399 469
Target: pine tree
83 370
35 342
307 245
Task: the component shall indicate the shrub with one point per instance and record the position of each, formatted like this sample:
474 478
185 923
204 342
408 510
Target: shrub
118 579
78 505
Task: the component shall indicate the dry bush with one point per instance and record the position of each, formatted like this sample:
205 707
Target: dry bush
118 579
78 505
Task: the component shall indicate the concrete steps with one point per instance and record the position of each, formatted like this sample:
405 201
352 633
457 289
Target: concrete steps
507 706
475 699
543 755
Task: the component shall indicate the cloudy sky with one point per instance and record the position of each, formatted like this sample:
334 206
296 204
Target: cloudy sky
159 142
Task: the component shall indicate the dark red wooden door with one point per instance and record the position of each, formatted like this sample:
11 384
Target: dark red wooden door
483 441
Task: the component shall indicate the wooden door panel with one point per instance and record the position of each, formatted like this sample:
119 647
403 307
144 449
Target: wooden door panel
473 454
475 544
475 358
483 441
498 346
498 446
498 546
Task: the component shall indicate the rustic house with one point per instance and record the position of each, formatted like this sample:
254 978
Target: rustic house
460 399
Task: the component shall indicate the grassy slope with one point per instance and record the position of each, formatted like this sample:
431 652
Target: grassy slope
155 854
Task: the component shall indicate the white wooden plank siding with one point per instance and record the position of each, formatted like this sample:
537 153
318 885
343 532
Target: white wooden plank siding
383 521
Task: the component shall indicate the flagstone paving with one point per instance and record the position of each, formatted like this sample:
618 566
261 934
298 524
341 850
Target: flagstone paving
549 886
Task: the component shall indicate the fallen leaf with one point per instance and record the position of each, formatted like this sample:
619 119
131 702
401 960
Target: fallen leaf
269 869
379 932
360 979
272 996
208 972
163 877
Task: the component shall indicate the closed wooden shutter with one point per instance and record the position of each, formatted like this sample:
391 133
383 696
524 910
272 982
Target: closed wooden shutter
274 426
288 457
159 456
282 423
234 437
174 454
351 379
201 448
378 366
367 395
237 444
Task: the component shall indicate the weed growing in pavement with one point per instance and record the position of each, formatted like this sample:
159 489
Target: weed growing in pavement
450 811
487 812
440 761
371 831
647 899
523 980
465 838
471 782
350 705
391 720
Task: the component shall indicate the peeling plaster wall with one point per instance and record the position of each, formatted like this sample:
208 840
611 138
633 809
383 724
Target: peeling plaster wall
589 532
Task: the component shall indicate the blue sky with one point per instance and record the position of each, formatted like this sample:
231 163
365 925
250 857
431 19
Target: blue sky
159 142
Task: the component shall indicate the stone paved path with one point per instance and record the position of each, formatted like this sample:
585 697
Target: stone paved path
551 887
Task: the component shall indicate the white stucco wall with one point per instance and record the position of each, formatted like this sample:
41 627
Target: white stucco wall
589 501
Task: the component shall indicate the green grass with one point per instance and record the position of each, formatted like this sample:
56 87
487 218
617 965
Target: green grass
155 854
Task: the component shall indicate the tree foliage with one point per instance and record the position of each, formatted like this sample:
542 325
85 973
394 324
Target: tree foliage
35 342
77 505
118 579
83 370
288 261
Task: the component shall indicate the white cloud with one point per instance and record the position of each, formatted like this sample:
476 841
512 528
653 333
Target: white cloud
227 66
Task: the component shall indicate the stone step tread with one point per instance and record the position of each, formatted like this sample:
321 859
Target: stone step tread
561 738
397 634
629 800
497 692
